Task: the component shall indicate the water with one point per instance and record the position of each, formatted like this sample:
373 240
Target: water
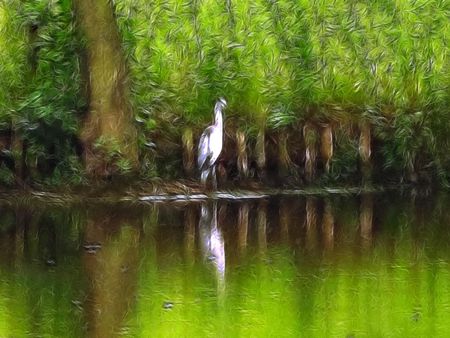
353 266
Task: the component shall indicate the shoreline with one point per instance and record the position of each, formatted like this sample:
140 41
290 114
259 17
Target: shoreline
178 192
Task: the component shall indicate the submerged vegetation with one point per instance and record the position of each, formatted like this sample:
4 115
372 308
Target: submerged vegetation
319 91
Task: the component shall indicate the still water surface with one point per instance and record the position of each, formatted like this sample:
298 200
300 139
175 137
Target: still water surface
353 266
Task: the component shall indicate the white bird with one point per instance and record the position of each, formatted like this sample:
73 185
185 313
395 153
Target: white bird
210 145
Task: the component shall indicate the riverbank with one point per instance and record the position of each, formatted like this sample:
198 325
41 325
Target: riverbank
184 191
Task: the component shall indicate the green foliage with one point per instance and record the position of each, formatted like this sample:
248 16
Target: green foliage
278 63
412 142
285 61
40 74
49 113
344 166
6 176
13 58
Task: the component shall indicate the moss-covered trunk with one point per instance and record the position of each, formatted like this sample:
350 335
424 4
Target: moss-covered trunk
108 133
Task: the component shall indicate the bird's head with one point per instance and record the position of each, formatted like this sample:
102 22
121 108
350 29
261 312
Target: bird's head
221 103
219 110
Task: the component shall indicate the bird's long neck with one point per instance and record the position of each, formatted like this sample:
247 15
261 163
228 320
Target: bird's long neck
218 118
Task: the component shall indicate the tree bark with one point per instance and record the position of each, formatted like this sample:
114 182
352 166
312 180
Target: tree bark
108 133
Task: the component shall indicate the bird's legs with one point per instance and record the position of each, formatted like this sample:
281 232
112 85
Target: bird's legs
214 177
209 172
204 176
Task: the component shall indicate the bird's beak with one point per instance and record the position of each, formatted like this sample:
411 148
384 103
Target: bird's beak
223 101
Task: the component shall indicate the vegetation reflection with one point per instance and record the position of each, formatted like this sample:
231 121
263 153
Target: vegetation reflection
291 267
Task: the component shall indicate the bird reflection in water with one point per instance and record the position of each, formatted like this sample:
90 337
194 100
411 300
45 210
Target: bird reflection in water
211 241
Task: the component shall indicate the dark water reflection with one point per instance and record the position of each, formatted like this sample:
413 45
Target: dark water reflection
371 265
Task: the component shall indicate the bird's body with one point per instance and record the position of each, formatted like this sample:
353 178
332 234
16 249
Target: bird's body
210 145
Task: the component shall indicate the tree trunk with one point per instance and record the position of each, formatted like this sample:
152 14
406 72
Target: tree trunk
413 177
242 158
365 151
310 137
260 153
284 160
326 145
108 134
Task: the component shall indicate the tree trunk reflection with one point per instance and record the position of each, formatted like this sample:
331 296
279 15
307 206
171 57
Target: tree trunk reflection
365 219
311 223
111 261
328 225
261 222
243 226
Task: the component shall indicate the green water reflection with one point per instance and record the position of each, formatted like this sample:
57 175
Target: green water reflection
361 266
